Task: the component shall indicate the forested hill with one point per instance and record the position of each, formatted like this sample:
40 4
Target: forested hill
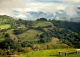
18 33
70 33
74 26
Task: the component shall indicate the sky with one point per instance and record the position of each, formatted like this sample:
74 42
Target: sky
8 6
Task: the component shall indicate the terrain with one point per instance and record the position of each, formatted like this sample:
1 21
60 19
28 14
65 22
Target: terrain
18 36
52 53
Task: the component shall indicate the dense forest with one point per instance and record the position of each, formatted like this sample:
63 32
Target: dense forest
20 36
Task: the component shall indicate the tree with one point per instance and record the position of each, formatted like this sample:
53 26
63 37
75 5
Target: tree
18 31
8 42
7 35
42 19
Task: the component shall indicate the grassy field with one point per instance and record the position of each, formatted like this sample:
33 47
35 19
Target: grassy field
2 37
51 53
42 24
29 35
5 26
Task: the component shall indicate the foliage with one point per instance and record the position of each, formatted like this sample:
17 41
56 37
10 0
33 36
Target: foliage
27 43
18 31
68 25
7 35
42 19
8 42
39 34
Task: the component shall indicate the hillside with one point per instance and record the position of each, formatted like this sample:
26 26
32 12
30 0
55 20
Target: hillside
39 34
41 30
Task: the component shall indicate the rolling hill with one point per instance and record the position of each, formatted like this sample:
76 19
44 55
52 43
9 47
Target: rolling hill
18 35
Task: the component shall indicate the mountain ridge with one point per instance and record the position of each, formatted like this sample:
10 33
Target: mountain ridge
59 15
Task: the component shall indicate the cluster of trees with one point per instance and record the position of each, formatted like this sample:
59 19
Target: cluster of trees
18 31
8 42
10 47
68 25
70 33
27 23
41 19
66 32
67 37
64 35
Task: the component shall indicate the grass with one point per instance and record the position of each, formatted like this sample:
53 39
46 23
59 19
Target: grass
10 31
50 53
29 35
2 37
42 24
5 26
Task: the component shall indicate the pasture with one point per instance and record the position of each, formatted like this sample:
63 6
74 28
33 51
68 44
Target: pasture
30 35
4 26
52 53
42 24
1 38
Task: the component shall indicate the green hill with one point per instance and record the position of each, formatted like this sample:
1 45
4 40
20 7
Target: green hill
41 30
17 35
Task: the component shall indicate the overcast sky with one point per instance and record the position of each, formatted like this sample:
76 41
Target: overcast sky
7 6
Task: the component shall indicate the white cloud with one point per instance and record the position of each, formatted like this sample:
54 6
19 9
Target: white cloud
46 7
71 9
72 1
7 6
5 12
21 16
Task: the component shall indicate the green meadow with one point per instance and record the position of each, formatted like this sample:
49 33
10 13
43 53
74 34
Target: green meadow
42 24
52 53
30 35
1 37
5 26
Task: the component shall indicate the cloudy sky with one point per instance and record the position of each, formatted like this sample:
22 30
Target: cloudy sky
7 6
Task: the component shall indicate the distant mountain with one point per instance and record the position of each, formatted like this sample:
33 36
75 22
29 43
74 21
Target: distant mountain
59 15
40 14
76 19
32 15
78 11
